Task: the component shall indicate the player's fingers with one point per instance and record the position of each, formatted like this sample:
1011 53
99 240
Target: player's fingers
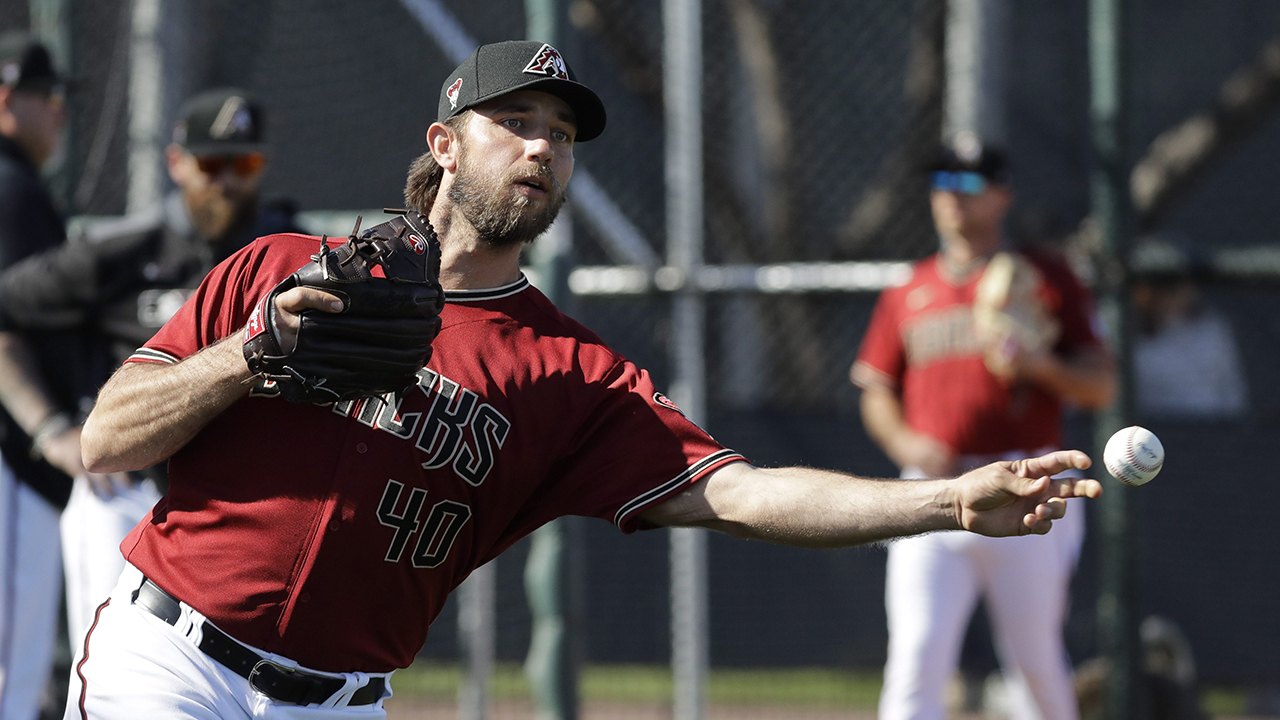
1077 487
1052 464
1036 525
295 300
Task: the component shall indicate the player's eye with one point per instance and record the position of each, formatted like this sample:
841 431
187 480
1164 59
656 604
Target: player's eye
561 136
512 123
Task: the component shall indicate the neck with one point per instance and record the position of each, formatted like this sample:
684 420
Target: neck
467 263
961 256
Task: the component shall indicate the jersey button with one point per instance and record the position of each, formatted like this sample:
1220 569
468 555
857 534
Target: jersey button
362 448
334 525
305 597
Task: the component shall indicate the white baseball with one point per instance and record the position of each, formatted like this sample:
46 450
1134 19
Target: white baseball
1134 455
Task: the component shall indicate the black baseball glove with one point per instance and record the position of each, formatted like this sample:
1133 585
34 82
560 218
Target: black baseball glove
389 282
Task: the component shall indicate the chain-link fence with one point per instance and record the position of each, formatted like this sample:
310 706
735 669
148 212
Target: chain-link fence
818 119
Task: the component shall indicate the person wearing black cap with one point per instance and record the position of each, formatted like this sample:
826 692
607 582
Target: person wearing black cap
119 280
943 393
40 386
302 551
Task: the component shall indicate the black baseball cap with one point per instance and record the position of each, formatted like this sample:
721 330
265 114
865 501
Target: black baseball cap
504 67
967 153
222 121
25 64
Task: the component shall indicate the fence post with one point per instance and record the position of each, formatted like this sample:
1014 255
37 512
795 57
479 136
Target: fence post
1111 209
682 90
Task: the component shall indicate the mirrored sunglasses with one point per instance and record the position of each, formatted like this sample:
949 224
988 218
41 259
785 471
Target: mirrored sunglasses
965 183
242 165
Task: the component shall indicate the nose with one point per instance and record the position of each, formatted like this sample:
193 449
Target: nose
538 149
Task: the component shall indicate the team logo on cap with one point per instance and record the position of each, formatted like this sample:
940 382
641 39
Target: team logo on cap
233 119
547 61
452 93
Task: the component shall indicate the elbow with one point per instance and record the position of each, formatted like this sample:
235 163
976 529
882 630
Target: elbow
94 452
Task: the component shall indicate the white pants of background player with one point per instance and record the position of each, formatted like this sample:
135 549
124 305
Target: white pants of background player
92 529
133 665
932 586
32 580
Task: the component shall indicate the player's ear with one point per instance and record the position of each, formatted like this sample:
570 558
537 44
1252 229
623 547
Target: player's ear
173 155
444 145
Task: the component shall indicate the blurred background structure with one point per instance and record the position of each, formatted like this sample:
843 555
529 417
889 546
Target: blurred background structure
816 120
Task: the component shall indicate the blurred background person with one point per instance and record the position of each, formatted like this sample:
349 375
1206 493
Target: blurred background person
119 280
1186 360
937 404
41 386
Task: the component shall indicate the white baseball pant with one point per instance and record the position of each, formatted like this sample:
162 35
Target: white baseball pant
32 580
932 586
134 665
92 529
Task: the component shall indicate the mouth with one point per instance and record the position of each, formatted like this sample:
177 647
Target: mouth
534 182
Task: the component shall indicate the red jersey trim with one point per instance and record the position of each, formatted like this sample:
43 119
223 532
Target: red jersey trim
146 354
462 296
694 471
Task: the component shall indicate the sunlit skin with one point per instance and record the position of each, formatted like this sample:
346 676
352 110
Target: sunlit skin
34 120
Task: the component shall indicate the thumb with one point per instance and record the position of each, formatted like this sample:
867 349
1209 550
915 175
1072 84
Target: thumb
297 299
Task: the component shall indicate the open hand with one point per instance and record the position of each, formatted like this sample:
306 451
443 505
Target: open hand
1020 497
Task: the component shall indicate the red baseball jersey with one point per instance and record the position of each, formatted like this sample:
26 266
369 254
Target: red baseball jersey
333 534
921 343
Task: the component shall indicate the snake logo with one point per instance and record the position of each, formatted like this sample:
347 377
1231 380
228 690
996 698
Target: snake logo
547 61
452 92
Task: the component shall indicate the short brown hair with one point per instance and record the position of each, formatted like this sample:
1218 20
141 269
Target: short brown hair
425 173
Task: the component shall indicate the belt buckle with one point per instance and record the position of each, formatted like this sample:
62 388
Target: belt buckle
306 688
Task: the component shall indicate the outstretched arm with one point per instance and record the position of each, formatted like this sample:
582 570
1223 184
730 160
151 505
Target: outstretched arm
820 508
147 412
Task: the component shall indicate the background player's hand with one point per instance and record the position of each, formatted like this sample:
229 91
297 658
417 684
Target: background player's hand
931 456
1020 497
292 302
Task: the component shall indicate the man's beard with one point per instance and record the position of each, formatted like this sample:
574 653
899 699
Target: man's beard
499 218
216 213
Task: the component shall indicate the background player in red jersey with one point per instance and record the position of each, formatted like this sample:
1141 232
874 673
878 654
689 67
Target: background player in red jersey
302 550
943 394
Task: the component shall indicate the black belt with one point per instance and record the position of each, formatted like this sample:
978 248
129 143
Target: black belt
276 681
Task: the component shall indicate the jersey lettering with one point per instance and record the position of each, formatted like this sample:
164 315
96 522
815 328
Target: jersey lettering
488 428
405 523
441 529
442 431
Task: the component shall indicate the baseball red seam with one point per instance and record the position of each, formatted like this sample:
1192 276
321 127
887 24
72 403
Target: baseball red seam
1133 460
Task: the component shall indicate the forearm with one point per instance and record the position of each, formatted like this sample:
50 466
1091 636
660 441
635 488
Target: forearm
147 412
811 508
22 390
1086 379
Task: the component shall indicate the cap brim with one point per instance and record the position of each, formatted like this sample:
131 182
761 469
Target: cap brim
588 110
225 148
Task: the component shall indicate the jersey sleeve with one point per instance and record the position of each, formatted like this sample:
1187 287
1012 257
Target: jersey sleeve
882 358
224 301
635 450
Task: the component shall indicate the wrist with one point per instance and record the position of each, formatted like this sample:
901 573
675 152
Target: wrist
46 431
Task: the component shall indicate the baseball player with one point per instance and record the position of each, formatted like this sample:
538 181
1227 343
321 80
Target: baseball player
120 280
303 549
953 379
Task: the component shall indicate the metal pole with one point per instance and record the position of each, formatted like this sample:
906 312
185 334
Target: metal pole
477 598
682 87
977 44
1112 210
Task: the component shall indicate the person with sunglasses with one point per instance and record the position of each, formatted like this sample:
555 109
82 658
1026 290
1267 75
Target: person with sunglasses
937 405
119 280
